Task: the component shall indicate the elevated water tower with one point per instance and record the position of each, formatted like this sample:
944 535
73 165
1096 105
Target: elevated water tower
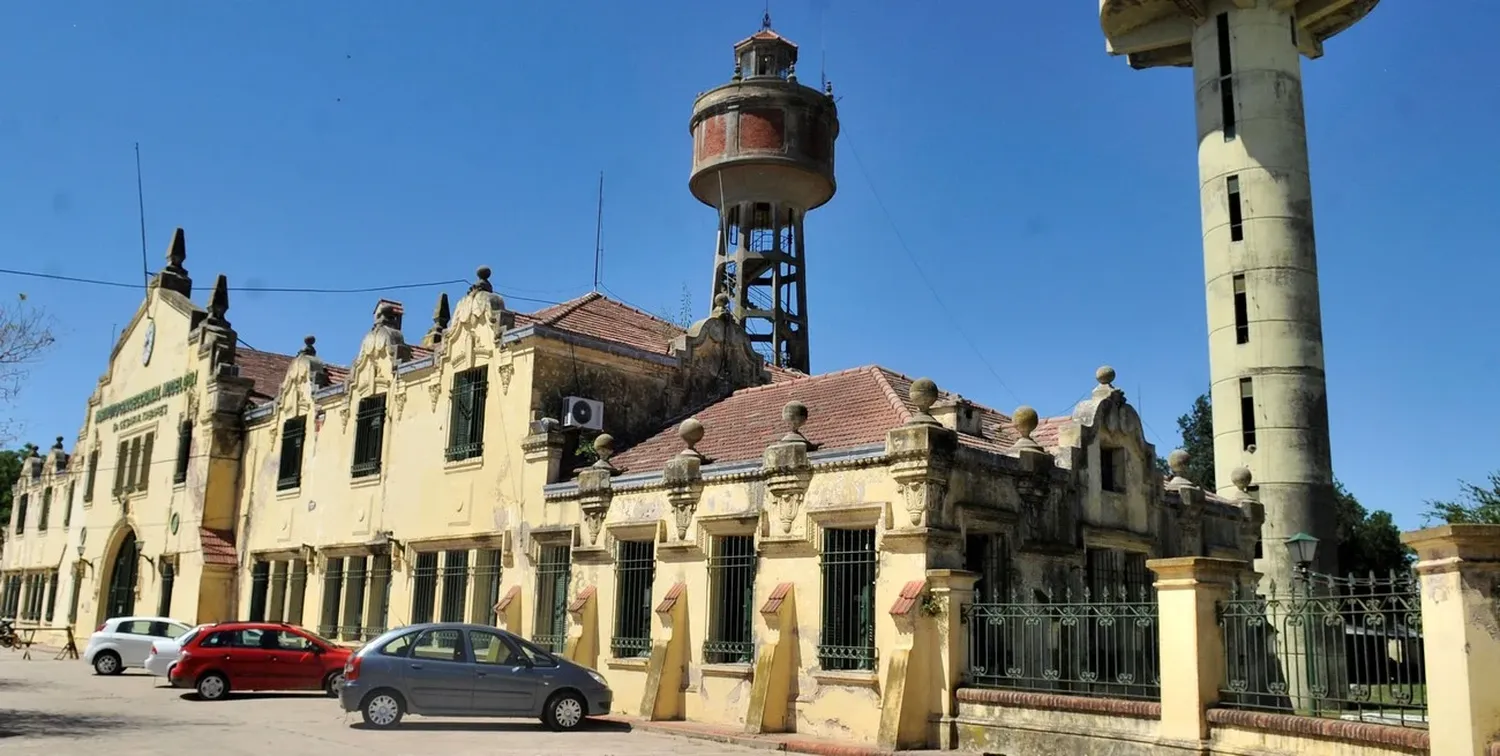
763 157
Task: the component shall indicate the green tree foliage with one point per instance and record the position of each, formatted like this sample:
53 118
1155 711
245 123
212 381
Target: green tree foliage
1367 541
1475 504
10 472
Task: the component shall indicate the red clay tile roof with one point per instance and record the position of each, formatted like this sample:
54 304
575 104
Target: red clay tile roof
845 409
669 601
908 598
596 315
218 547
418 352
778 595
779 374
265 369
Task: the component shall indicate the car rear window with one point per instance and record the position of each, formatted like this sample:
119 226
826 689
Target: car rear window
187 637
398 646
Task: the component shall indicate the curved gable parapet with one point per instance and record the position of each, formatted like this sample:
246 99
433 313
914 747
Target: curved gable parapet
720 341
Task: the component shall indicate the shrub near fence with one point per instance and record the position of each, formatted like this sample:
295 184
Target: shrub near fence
1082 645
1345 648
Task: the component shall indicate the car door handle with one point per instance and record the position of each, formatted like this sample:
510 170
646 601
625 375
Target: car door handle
226 657
273 658
416 666
483 674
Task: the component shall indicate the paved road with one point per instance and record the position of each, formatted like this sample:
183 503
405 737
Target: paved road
54 707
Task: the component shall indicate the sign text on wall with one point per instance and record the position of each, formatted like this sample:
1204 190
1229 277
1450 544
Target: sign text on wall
147 398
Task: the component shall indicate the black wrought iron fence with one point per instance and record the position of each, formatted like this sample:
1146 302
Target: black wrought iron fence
1343 648
1082 644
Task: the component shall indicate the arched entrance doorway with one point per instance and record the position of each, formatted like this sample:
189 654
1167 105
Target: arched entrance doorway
119 601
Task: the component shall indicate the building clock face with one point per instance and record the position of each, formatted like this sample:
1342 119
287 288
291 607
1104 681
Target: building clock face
150 342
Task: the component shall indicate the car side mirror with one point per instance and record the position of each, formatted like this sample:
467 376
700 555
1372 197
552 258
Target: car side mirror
319 650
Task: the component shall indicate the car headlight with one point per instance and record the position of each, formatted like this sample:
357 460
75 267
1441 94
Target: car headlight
598 678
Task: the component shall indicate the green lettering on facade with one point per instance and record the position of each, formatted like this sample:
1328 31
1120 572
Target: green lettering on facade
147 397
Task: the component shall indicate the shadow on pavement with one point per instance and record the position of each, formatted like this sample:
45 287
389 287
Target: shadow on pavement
484 725
192 695
29 723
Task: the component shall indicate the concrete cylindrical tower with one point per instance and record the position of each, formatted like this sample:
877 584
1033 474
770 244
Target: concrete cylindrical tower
1270 408
763 157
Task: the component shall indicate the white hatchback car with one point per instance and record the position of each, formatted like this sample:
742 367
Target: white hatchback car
124 642
164 653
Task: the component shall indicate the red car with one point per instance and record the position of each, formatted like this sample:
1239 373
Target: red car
258 656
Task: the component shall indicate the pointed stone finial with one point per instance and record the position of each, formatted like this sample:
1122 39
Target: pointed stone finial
58 445
218 302
1177 462
441 314
794 414
1240 477
691 432
307 346
177 252
604 448
32 451
1026 419
483 284
765 21
174 277
924 394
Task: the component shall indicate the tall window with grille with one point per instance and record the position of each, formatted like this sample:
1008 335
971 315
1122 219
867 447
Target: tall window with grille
1118 574
354 597
635 573
142 475
848 633
52 596
554 570
731 589
21 505
90 476
988 556
486 587
296 590
466 414
184 452
455 585
424 576
168 580
11 602
333 588
68 506
369 431
260 584
46 513
122 464
289 472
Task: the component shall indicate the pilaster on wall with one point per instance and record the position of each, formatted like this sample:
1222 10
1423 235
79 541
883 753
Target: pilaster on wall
1459 566
1189 590
667 670
775 664
582 646
953 591
544 446
903 707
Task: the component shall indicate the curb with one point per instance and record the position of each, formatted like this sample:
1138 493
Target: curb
767 742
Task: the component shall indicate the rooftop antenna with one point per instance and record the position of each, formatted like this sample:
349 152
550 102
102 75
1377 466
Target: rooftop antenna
140 197
765 20
599 234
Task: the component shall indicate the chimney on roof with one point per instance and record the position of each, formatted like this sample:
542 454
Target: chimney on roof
387 319
960 415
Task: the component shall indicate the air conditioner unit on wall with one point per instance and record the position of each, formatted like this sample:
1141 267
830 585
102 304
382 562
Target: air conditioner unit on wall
587 414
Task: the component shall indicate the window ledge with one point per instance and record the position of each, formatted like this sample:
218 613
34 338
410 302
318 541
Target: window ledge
458 465
740 671
289 493
847 678
176 487
637 663
365 481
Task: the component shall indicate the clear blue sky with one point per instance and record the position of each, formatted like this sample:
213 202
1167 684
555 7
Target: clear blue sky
1048 191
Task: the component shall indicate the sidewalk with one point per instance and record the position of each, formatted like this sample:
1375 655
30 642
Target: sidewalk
784 742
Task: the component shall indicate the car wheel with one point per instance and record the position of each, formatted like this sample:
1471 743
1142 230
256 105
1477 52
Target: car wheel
383 709
213 687
108 663
332 683
565 711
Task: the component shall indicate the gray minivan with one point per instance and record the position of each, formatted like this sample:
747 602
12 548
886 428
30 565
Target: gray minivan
458 670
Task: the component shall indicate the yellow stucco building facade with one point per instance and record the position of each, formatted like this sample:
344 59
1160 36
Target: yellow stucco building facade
727 541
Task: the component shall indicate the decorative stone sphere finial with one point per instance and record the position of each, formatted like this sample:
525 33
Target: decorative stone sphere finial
1177 462
794 414
923 393
307 345
483 272
1025 419
58 445
604 447
1240 477
691 432
1105 375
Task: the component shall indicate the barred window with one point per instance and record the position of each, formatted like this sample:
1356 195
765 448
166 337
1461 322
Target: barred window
122 464
848 632
260 578
1121 575
168 579
12 598
731 586
424 587
143 473
635 573
289 472
553 573
21 513
52 596
486 587
354 598
93 472
455 585
988 556
466 414
46 513
333 587
367 591
369 429
184 451
68 506
296 591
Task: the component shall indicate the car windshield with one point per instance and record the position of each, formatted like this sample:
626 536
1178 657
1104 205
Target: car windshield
319 638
